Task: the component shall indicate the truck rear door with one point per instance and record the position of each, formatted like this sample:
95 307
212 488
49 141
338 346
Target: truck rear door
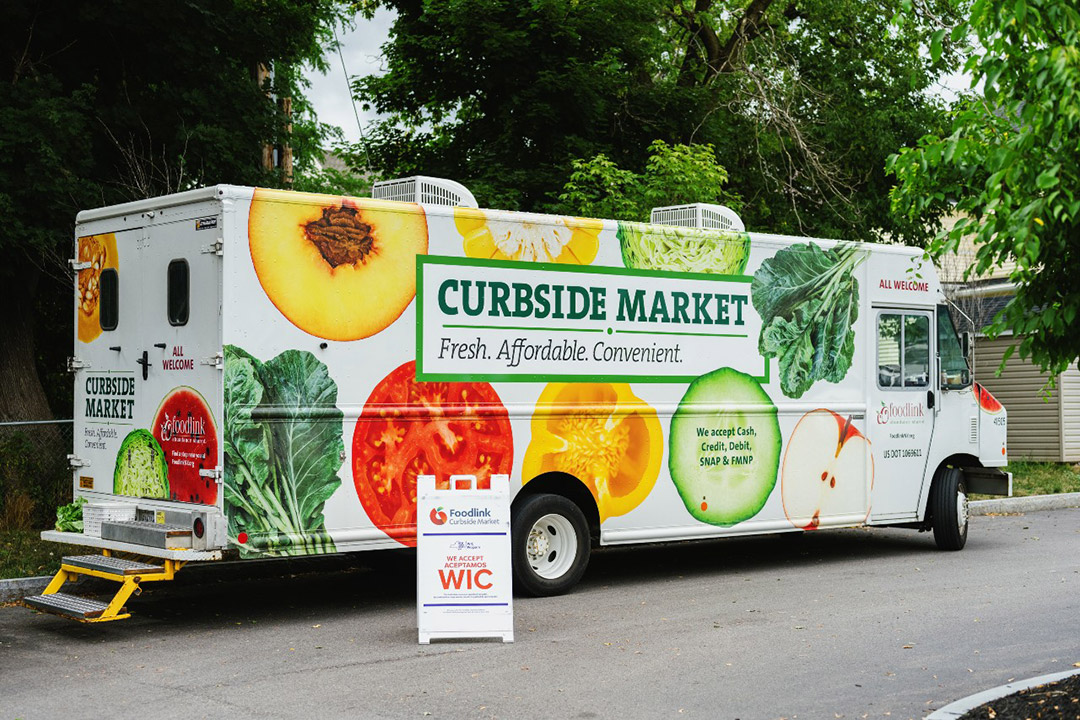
148 399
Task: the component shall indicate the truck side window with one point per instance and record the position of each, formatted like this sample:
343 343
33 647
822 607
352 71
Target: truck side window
888 344
955 373
109 308
903 350
916 351
179 292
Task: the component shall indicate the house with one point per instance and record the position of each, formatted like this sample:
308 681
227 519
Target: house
1044 422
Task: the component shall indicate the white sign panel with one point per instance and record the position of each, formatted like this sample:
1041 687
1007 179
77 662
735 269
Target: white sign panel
464 580
527 322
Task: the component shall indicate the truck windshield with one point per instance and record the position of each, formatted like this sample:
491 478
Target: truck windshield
955 373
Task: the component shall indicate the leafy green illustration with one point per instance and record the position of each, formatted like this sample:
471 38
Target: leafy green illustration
283 449
808 299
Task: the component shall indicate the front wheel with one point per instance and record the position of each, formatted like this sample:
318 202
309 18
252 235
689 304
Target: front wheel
949 509
550 539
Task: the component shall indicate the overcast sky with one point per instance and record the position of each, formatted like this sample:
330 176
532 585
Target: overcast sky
361 51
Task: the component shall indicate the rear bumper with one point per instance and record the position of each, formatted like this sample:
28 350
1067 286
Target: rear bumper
96 542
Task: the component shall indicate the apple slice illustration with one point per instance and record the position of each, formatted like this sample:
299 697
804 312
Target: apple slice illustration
824 470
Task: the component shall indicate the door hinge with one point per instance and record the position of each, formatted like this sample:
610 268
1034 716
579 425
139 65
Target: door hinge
213 473
77 265
74 364
215 248
75 462
217 360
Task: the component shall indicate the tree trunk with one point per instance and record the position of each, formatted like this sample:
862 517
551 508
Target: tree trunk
34 478
21 394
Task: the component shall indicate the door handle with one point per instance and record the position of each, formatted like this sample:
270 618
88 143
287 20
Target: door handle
930 399
145 362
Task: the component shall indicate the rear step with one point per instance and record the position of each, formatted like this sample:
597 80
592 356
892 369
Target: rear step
73 606
150 534
113 565
129 573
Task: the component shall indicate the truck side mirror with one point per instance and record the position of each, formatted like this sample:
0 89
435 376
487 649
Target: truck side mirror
966 344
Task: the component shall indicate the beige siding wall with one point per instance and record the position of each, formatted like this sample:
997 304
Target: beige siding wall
1034 422
1070 410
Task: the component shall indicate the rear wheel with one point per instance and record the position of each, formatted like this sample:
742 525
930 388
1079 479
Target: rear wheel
550 539
949 510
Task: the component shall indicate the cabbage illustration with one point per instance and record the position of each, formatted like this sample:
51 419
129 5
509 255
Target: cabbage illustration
140 467
681 249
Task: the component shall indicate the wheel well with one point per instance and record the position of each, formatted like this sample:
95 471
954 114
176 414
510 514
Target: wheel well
958 460
568 486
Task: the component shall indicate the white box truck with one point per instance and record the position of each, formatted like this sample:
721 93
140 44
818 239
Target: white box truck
265 373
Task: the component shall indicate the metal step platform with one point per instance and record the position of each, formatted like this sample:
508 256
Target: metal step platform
73 606
113 565
129 573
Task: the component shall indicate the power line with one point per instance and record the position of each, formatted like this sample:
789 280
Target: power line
352 100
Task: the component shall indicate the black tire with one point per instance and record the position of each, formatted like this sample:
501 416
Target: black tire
949 511
544 531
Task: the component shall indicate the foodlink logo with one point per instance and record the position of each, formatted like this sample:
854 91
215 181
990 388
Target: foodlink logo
183 429
909 412
472 516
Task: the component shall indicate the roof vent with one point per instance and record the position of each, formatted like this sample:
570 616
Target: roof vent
425 190
698 215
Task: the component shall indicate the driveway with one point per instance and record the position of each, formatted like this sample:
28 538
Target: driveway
849 623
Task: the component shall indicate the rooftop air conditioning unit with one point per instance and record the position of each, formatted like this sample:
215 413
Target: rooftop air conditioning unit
698 215
425 190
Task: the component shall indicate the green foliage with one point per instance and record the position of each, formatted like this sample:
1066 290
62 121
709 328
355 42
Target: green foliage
1043 478
801 101
283 449
808 299
673 175
113 100
1009 163
34 476
24 554
333 181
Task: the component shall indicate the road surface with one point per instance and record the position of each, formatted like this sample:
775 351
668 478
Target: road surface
832 624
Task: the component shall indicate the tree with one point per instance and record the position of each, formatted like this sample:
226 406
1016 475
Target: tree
801 99
673 175
113 100
1009 163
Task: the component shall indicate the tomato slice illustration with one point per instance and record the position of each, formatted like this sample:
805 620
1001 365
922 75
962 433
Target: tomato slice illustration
410 428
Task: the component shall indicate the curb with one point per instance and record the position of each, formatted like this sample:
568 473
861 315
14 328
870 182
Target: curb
18 588
957 709
1031 503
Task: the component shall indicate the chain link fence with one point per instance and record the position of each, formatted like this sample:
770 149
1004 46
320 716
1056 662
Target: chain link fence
34 474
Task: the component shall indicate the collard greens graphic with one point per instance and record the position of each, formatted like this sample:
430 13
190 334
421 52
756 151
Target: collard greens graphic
283 449
808 299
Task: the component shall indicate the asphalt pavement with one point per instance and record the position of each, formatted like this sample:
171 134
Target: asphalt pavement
863 623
